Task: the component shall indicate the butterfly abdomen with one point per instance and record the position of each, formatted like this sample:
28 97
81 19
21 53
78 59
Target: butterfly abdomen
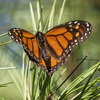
43 49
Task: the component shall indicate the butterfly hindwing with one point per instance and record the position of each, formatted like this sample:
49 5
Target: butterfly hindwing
52 66
62 38
28 41
51 50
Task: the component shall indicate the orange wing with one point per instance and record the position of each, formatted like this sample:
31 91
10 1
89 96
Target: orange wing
28 41
52 65
61 39
53 48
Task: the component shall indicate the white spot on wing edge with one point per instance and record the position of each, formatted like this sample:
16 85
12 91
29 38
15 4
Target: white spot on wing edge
87 24
85 34
11 36
14 29
81 38
88 29
17 28
89 32
69 22
9 33
78 24
75 22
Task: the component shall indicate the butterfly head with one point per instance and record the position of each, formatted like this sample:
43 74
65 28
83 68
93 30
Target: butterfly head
40 36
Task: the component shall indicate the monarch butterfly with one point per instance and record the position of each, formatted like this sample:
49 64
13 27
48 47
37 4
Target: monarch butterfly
52 49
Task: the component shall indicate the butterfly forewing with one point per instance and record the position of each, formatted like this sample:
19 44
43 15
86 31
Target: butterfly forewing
28 41
51 51
62 38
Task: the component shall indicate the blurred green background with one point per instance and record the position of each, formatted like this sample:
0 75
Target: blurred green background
16 13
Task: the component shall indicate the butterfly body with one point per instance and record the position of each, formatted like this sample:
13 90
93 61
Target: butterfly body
52 49
40 37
